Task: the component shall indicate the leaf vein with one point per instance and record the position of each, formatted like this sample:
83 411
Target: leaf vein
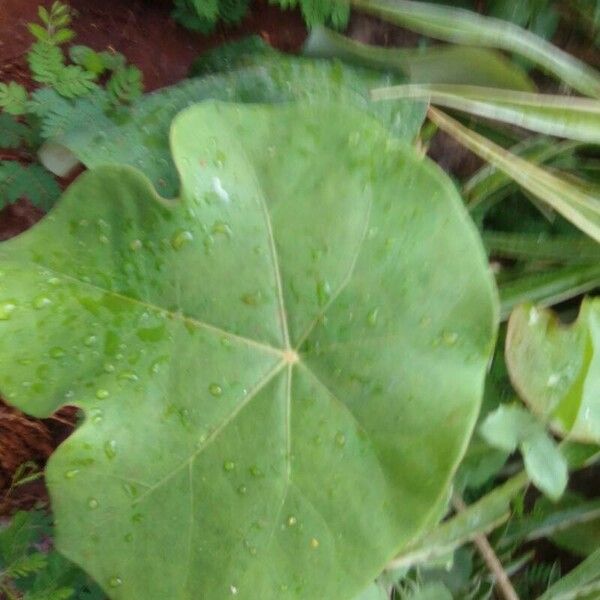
343 284
171 314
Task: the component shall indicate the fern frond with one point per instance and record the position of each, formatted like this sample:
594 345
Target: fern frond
113 61
32 182
59 115
62 593
125 85
206 9
46 101
87 58
72 81
13 98
42 189
232 55
59 16
26 565
12 178
233 11
285 4
203 21
46 62
12 133
318 12
339 14
202 15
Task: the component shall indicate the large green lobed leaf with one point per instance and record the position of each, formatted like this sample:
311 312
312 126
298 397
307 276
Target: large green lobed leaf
279 371
139 135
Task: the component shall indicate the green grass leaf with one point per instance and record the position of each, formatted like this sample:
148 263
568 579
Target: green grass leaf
442 64
466 27
583 582
577 202
561 116
548 286
490 184
355 325
573 524
527 246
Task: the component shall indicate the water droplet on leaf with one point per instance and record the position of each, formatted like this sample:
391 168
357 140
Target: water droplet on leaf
372 317
340 439
255 471
56 352
110 449
252 298
90 340
450 338
323 292
6 310
215 389
180 238
41 302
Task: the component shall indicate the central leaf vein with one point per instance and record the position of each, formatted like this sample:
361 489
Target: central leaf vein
262 383
169 313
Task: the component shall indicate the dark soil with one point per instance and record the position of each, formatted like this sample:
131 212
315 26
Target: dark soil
143 32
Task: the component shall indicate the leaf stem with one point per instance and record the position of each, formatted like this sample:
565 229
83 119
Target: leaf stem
489 556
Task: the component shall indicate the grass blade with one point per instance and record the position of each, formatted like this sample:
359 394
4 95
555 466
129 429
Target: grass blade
535 528
490 181
466 27
546 288
576 202
562 116
441 64
528 246
583 579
